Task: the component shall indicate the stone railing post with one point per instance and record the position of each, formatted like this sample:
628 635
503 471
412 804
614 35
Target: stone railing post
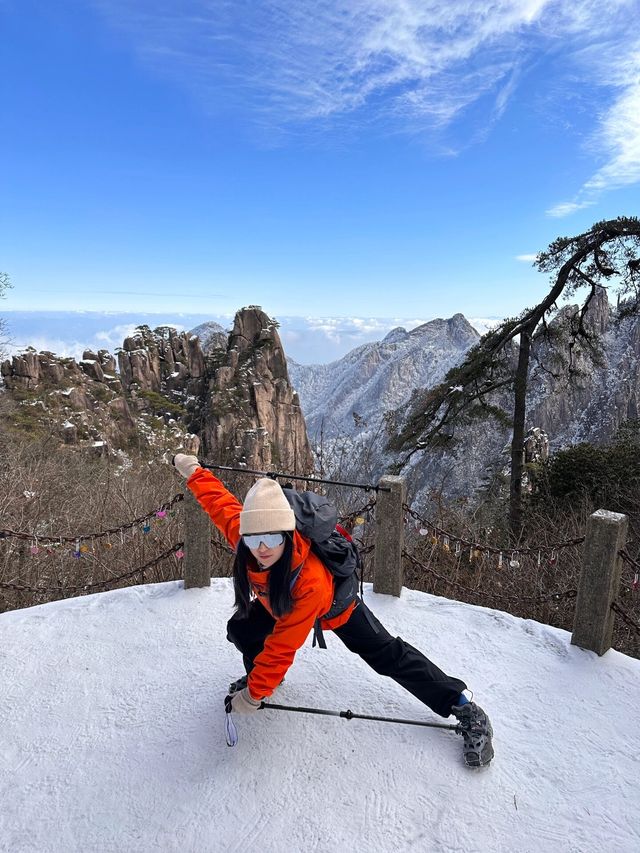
388 575
197 543
599 582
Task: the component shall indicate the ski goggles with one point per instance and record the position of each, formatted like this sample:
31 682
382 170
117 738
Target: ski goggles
269 540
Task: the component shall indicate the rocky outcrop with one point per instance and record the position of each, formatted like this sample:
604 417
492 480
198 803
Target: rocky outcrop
252 413
82 401
236 397
30 368
349 403
154 360
593 404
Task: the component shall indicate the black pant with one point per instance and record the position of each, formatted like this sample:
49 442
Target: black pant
248 633
367 637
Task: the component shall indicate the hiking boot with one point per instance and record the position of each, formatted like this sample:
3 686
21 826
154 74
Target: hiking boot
476 730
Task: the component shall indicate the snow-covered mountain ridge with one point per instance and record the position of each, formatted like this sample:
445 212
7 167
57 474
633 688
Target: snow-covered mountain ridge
377 377
349 398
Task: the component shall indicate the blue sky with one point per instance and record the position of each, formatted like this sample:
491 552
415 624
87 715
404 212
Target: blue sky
321 159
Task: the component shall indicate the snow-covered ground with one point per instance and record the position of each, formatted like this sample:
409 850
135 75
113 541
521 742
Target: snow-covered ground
112 736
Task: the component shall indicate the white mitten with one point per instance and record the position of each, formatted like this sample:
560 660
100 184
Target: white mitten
244 703
185 464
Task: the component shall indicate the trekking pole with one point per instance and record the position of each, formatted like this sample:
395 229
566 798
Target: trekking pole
349 715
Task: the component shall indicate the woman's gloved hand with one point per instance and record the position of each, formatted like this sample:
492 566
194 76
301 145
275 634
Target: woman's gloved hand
185 464
242 702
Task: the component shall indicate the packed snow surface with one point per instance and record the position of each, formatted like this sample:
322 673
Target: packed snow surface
112 736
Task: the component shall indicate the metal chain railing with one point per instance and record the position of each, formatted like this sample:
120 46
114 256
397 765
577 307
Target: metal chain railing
357 516
512 599
160 512
453 538
222 546
627 558
48 541
139 570
635 565
625 616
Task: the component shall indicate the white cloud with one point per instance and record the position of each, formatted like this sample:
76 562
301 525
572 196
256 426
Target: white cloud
73 345
310 60
566 208
483 324
357 329
306 339
57 346
112 338
619 137
528 258
416 64
616 138
323 339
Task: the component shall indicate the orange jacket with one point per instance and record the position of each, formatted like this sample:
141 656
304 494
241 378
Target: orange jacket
312 592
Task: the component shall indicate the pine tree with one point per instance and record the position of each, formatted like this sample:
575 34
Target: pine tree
606 257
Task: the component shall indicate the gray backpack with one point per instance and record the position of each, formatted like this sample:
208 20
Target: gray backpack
317 520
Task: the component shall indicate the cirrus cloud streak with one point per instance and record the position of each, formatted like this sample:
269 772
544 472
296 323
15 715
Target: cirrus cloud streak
418 65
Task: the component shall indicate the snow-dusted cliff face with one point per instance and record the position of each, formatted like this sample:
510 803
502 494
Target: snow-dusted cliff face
252 413
592 407
356 391
233 392
212 336
346 400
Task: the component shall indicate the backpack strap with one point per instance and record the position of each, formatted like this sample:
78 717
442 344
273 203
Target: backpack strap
343 532
318 635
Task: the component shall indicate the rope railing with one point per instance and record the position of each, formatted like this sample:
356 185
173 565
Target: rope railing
276 475
175 549
512 599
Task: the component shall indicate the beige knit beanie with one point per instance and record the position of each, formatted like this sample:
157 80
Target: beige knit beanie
265 509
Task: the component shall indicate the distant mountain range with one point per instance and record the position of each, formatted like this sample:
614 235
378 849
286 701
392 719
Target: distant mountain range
345 402
309 340
353 393
349 402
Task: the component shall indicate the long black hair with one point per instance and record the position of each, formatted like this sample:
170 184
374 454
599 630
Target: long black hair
280 598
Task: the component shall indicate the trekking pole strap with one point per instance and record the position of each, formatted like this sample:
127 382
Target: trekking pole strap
349 715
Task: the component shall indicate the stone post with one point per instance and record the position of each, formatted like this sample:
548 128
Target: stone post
388 575
599 582
197 543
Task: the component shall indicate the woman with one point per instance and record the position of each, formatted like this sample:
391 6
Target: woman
282 588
